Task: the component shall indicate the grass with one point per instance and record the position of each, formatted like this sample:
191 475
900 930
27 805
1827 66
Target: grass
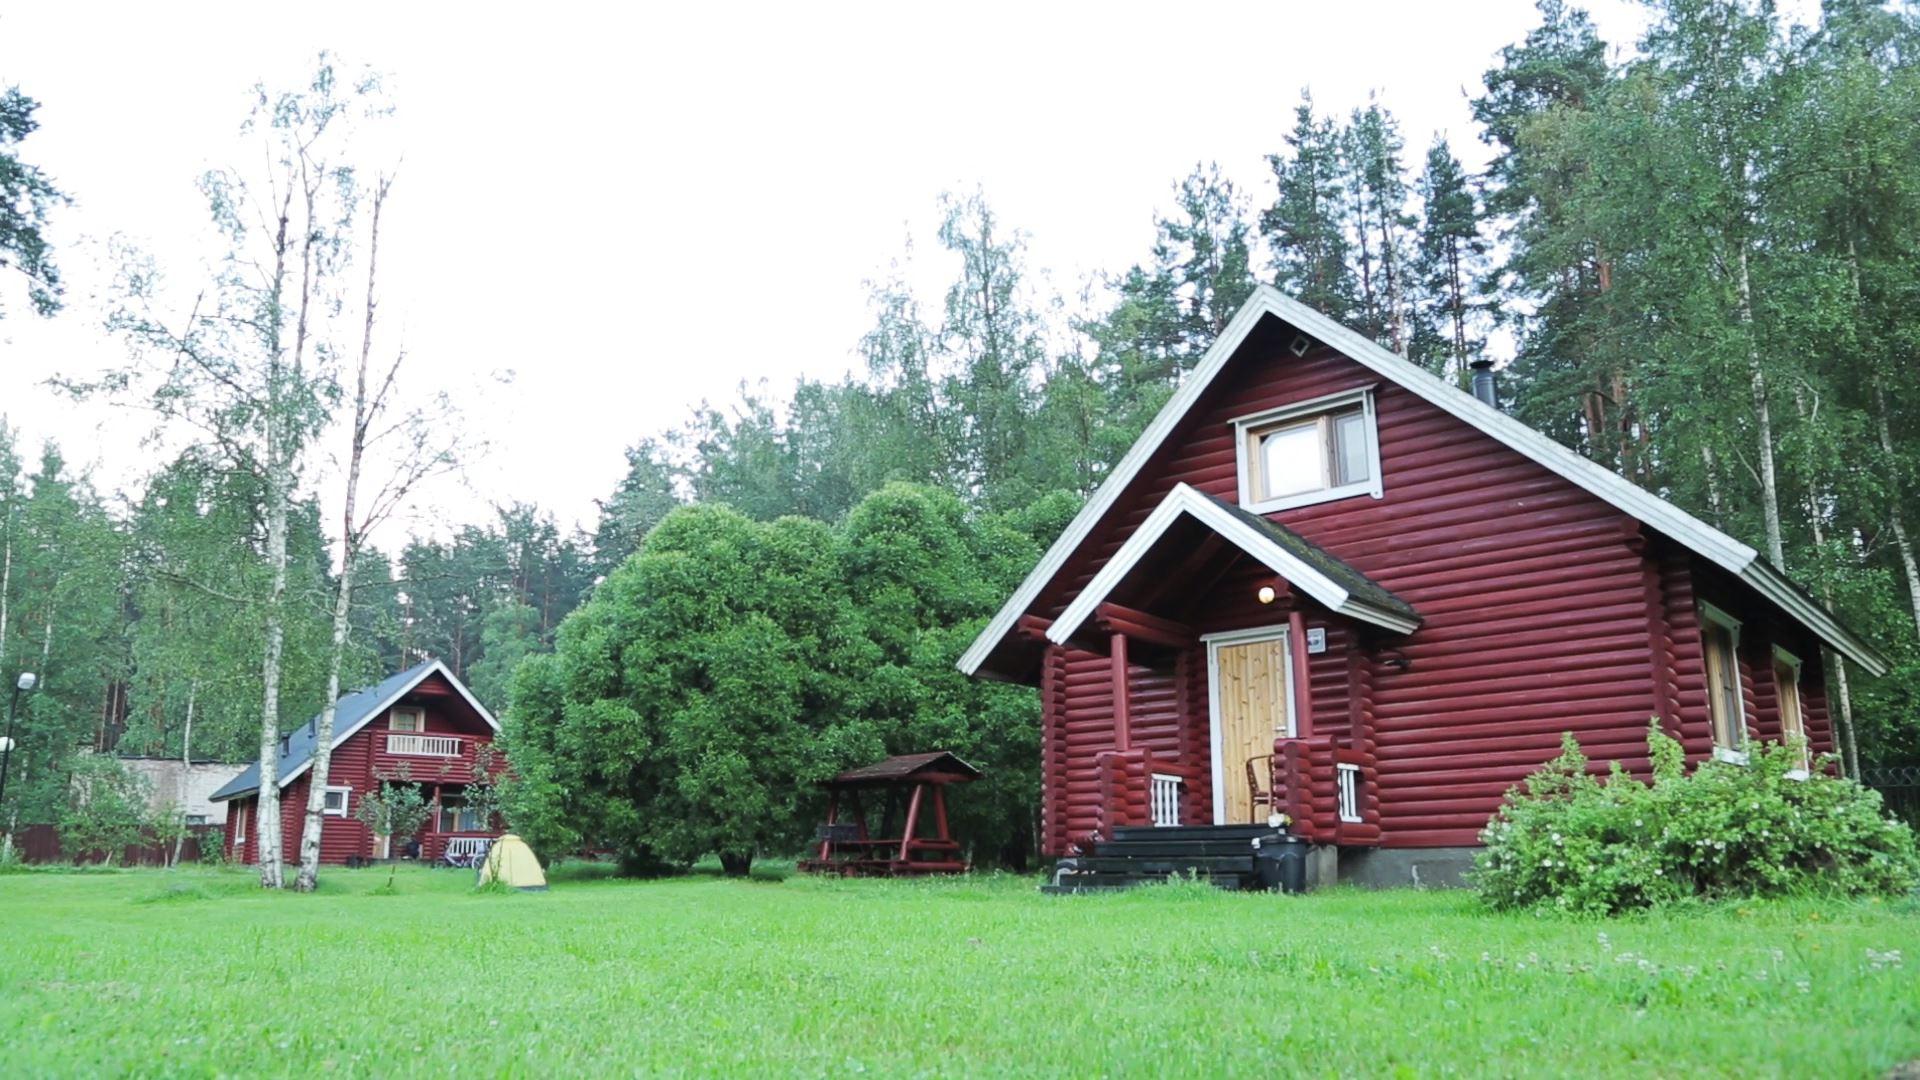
196 972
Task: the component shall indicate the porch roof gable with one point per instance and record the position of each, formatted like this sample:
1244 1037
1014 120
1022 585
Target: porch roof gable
1311 569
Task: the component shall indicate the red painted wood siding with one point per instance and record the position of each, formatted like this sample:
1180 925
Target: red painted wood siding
1546 611
359 763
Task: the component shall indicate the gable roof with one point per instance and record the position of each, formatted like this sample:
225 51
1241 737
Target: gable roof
351 713
1301 563
905 767
1704 540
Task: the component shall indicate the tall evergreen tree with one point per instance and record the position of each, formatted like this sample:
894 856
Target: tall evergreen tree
993 335
1449 269
27 197
1305 227
1381 228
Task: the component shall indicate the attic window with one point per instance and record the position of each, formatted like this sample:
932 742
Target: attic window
1309 452
407 720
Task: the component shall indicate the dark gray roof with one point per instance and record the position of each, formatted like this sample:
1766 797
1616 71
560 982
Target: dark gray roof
351 711
1358 585
905 767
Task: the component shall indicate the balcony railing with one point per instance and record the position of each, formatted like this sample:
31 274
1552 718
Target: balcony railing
423 745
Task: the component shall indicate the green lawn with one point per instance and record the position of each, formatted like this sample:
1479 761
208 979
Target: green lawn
197 973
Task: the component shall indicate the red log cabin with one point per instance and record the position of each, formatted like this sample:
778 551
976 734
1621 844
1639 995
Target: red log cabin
423 724
1331 594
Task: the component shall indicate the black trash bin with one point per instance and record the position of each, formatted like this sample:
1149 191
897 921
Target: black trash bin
1280 864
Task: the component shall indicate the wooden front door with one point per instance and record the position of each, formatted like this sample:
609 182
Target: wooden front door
1250 710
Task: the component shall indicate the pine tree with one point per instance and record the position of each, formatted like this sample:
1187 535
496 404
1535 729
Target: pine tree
1449 270
1305 227
1380 225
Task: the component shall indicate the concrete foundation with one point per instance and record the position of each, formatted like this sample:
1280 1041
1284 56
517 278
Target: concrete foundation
1387 868
1323 866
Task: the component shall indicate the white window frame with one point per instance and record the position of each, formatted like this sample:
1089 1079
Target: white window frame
346 800
1214 642
419 719
457 806
239 815
1735 755
1245 427
1783 658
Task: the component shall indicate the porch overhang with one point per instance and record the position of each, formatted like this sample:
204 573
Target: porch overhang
1302 565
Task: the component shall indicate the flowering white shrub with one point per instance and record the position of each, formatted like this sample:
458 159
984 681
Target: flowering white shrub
1570 840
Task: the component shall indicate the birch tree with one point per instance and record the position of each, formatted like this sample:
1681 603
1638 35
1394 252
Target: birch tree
242 370
416 444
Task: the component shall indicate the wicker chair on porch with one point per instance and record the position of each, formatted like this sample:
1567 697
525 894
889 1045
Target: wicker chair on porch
1259 798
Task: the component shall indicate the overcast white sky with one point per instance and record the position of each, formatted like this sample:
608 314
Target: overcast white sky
636 207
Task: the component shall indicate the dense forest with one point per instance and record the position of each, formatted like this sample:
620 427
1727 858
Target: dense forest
1701 251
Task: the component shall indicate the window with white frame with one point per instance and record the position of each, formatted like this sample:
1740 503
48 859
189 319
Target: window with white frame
414 720
239 826
1793 723
1308 452
457 816
334 802
1720 641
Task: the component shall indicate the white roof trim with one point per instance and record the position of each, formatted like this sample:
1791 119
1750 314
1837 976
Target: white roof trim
346 733
1185 500
1696 535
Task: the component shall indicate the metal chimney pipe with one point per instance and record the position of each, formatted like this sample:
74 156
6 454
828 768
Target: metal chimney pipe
1483 385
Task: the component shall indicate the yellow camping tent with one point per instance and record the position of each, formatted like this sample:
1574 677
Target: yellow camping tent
511 862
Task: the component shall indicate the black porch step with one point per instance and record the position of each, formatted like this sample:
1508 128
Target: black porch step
1163 865
1193 832
1157 848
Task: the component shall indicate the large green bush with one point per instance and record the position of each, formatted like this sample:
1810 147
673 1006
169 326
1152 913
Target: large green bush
694 702
1570 840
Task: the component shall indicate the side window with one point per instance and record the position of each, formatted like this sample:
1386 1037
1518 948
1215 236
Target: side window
1720 640
1793 723
335 801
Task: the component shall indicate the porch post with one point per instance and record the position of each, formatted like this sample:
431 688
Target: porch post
1302 691
1122 705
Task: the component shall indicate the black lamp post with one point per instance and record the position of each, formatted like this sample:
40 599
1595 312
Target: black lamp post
26 682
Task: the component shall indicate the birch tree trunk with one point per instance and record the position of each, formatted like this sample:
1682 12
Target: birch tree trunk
1843 730
1894 515
266 822
352 533
186 761
1762 420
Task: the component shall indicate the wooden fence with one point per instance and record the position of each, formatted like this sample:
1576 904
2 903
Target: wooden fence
41 844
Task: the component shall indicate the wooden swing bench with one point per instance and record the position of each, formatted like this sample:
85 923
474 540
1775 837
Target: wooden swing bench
848 848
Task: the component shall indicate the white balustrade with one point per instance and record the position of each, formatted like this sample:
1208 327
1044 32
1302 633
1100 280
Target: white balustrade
1349 784
1164 799
423 745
